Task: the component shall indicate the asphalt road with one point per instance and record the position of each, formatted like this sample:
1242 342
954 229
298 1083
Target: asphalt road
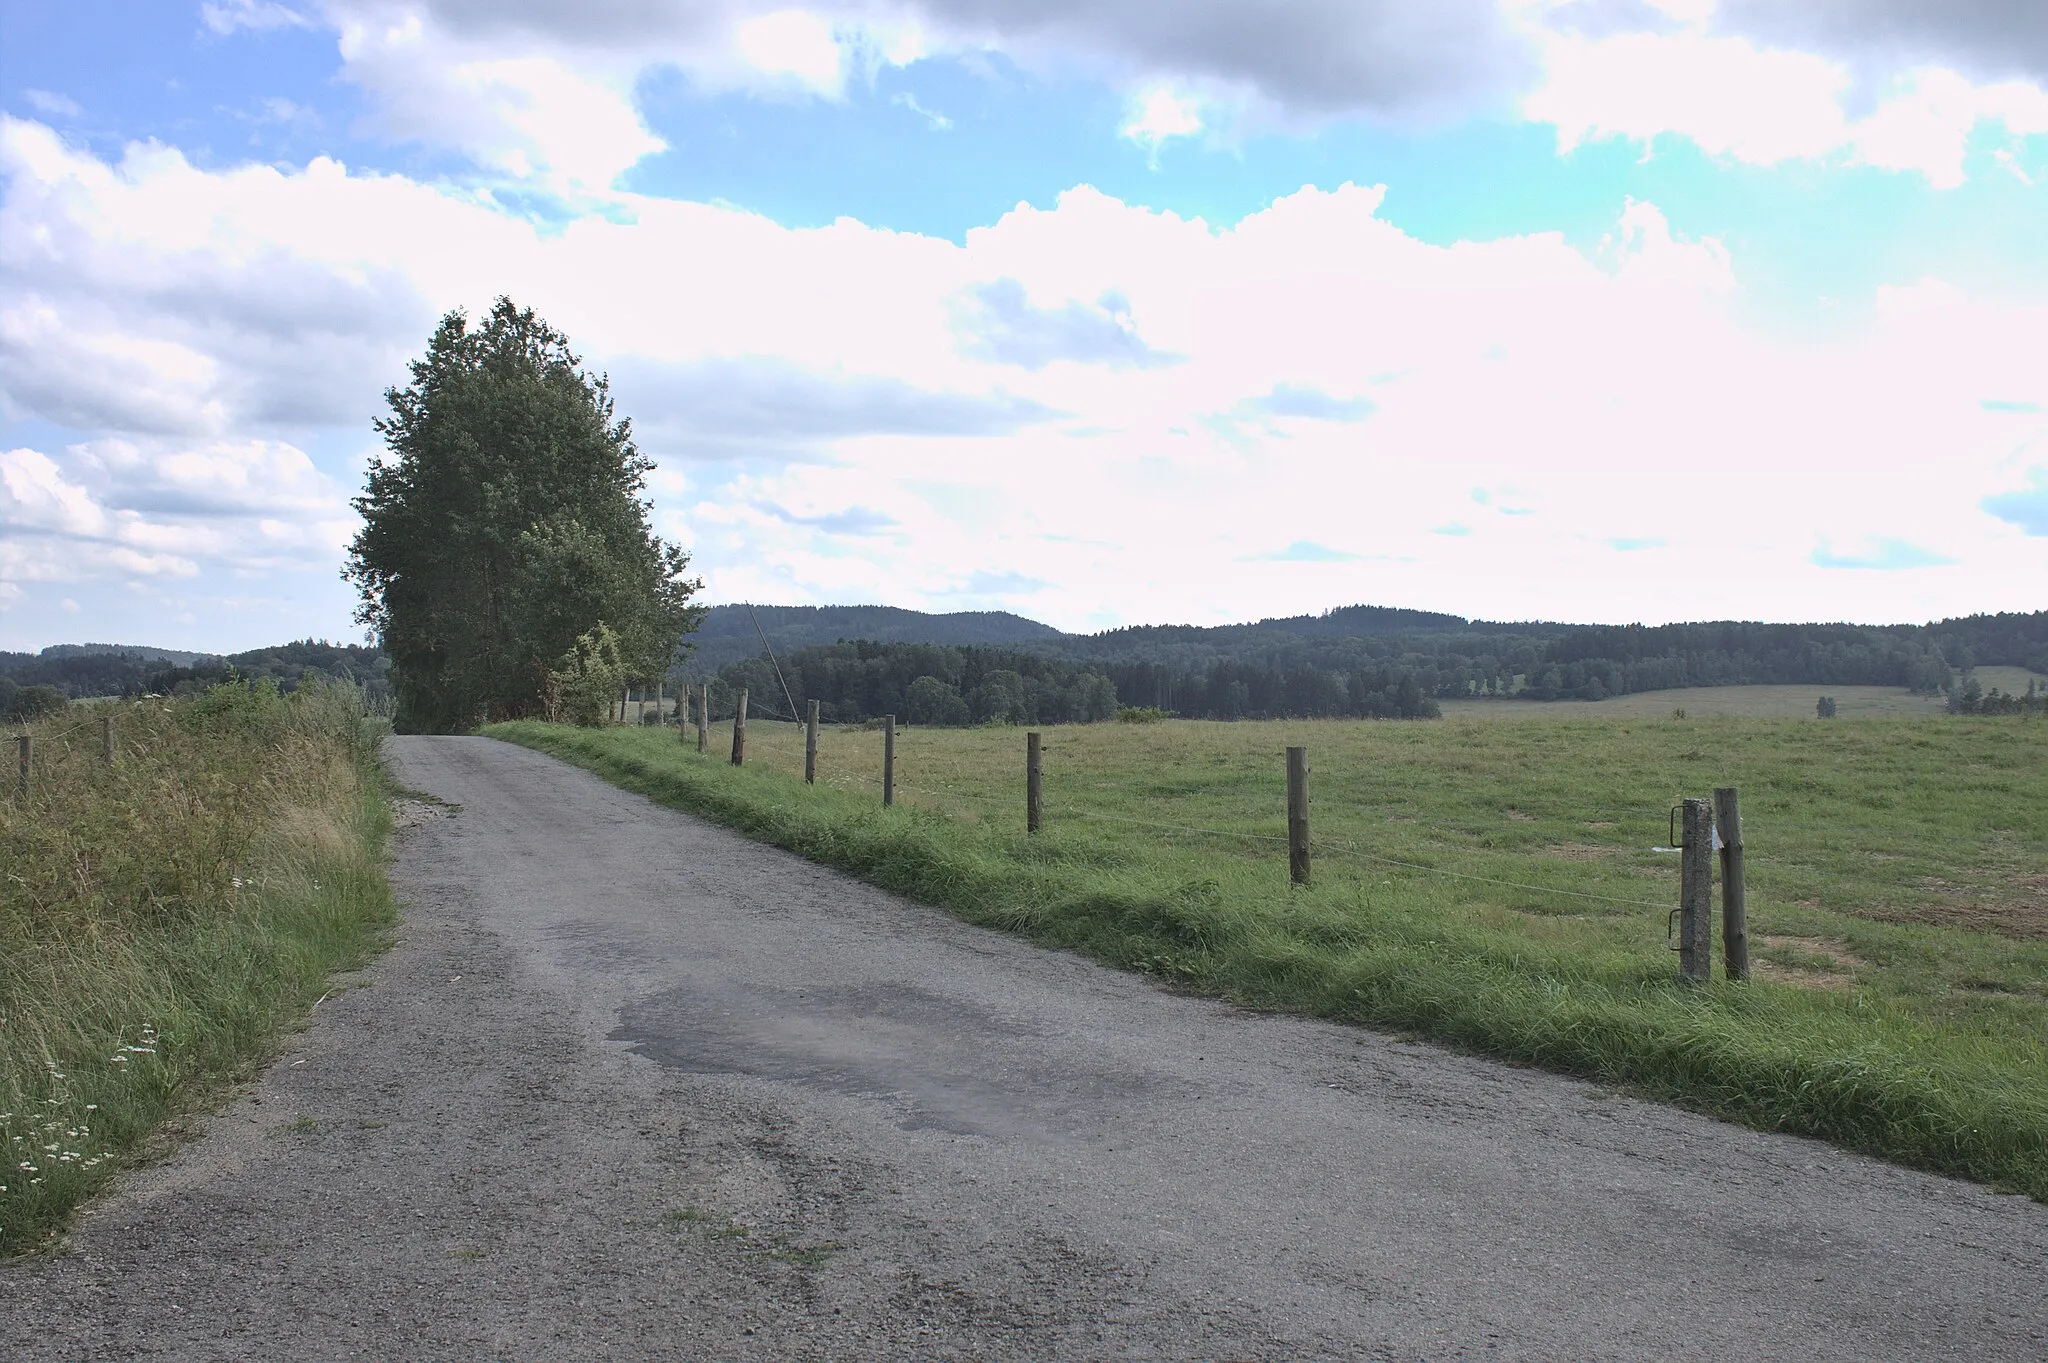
631 1086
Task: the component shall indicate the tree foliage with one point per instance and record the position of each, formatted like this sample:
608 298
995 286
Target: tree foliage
506 524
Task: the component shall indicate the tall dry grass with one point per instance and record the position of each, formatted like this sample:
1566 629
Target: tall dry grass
164 915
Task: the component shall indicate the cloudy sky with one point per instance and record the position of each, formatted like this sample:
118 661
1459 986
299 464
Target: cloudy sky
1105 313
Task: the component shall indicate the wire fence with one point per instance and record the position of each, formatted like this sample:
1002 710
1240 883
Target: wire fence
1318 846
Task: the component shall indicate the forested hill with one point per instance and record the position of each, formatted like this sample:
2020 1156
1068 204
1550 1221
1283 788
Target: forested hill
1366 660
119 670
728 633
1358 660
1270 666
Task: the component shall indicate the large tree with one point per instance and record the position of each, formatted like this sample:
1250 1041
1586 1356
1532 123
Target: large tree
506 522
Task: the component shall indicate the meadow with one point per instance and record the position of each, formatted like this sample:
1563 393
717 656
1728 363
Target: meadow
164 917
1754 702
1495 886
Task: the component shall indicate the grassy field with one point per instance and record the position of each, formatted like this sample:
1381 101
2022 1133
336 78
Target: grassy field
1495 886
165 916
1698 702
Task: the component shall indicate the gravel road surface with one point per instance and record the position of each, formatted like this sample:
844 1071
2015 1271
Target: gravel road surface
631 1086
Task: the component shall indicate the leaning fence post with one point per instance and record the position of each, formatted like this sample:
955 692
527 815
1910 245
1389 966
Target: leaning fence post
888 759
704 717
1734 897
27 753
1297 815
739 729
1696 894
811 745
106 738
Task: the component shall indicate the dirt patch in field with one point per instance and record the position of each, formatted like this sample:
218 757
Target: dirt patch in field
1808 962
1577 851
2017 908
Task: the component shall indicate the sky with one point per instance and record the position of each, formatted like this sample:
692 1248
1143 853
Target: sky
1105 313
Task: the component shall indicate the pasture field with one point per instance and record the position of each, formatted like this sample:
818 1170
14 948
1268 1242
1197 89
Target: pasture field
1699 702
165 916
1494 886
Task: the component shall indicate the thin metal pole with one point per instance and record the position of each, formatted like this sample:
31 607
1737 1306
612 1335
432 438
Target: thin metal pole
1297 815
1696 895
1734 896
888 760
1034 782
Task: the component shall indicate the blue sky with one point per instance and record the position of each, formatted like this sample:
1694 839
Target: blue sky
1608 310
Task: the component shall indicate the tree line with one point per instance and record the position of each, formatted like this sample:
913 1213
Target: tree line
932 684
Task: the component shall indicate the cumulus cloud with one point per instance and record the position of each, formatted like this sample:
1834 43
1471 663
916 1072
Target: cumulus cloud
1743 86
541 91
1988 39
160 510
845 412
1391 57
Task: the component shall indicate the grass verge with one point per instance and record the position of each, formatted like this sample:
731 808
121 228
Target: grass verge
166 916
1934 1058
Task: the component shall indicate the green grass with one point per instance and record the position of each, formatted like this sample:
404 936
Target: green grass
165 917
1700 702
1876 1023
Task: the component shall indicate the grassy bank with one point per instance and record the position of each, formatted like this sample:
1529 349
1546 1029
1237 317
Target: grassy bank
1897 871
165 915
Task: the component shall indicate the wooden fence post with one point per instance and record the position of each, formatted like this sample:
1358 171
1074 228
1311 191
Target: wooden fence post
28 746
704 717
106 738
1734 897
888 760
1297 815
739 730
1034 782
811 745
1696 894
657 702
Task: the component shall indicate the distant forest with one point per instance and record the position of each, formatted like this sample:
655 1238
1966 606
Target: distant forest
1371 661
920 684
1368 661
111 670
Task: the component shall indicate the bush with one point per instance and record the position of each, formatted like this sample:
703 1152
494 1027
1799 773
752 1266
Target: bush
1139 714
586 680
31 703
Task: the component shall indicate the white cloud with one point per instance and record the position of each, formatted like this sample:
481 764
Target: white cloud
796 44
227 16
523 113
51 103
119 508
1765 105
1159 115
1103 399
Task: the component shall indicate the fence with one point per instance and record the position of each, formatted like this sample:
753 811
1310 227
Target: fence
1711 828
